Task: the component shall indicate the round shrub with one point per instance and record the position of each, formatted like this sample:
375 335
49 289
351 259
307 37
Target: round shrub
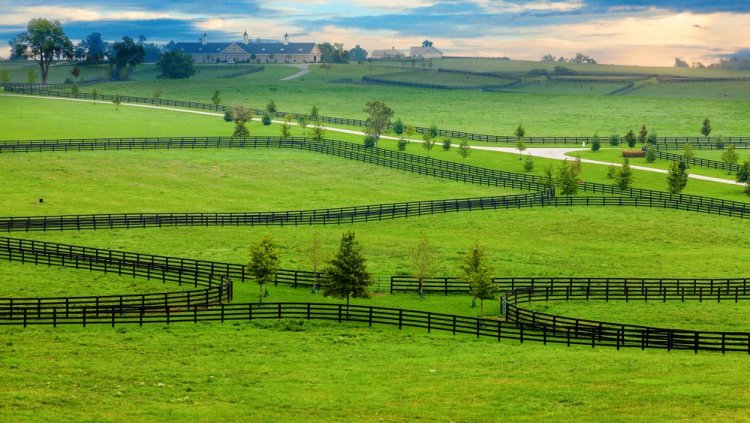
266 119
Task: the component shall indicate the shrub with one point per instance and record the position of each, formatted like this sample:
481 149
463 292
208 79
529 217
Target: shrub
370 141
266 119
611 172
402 145
651 154
596 143
633 153
227 116
434 131
652 138
614 140
398 127
271 106
528 164
446 144
630 138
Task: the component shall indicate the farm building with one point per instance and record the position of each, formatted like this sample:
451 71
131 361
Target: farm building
387 54
429 52
248 51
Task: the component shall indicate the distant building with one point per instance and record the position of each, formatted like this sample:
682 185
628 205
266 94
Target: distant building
249 51
387 54
425 53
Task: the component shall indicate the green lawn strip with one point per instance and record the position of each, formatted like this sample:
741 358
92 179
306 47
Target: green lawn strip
25 280
708 315
579 241
480 112
313 371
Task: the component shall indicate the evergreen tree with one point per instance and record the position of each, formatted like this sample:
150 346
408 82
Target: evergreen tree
687 154
676 177
528 164
630 138
478 274
216 98
264 263
347 272
642 134
596 143
624 175
651 154
520 132
398 127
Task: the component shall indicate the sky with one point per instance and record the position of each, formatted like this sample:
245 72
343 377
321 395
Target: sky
633 32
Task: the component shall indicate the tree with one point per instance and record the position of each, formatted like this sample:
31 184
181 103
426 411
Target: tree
630 138
157 93
642 134
398 127
314 114
624 176
596 143
409 131
679 63
347 272
706 128
729 156
520 146
216 97
652 137
548 179
428 142
175 65
316 256
271 106
743 175
5 76
266 119
42 42
241 115
286 127
379 118
478 274
333 53
676 177
264 263
94 47
520 132
116 100
74 90
94 95
358 54
126 55
687 154
423 260
303 121
464 150
318 132
651 154
614 140
528 164
567 178
447 142
76 72
426 43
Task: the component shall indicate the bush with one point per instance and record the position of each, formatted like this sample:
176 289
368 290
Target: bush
633 153
398 127
402 145
446 144
652 138
266 119
611 172
434 131
271 106
614 140
651 154
370 141
596 143
227 116
528 164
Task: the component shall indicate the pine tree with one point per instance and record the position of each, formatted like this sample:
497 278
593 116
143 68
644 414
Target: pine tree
630 138
477 272
347 273
624 175
264 263
643 134
706 128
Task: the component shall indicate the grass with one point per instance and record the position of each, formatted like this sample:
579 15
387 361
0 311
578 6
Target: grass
313 371
482 112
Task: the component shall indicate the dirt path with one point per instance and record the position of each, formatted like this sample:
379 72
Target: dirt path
303 70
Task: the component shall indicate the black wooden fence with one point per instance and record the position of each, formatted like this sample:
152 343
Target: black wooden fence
712 164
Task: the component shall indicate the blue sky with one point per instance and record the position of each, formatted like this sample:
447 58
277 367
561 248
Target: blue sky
612 31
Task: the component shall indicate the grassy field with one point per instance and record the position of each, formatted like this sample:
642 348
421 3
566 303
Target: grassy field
313 371
482 112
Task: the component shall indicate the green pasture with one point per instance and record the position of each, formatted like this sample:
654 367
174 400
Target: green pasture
574 112
314 371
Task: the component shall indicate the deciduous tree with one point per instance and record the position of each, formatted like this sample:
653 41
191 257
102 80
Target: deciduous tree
126 55
624 175
379 118
706 128
423 260
478 274
241 115
567 178
676 177
264 263
464 150
42 42
729 156
175 65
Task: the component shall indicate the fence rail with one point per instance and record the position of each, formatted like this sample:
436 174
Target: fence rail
713 164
